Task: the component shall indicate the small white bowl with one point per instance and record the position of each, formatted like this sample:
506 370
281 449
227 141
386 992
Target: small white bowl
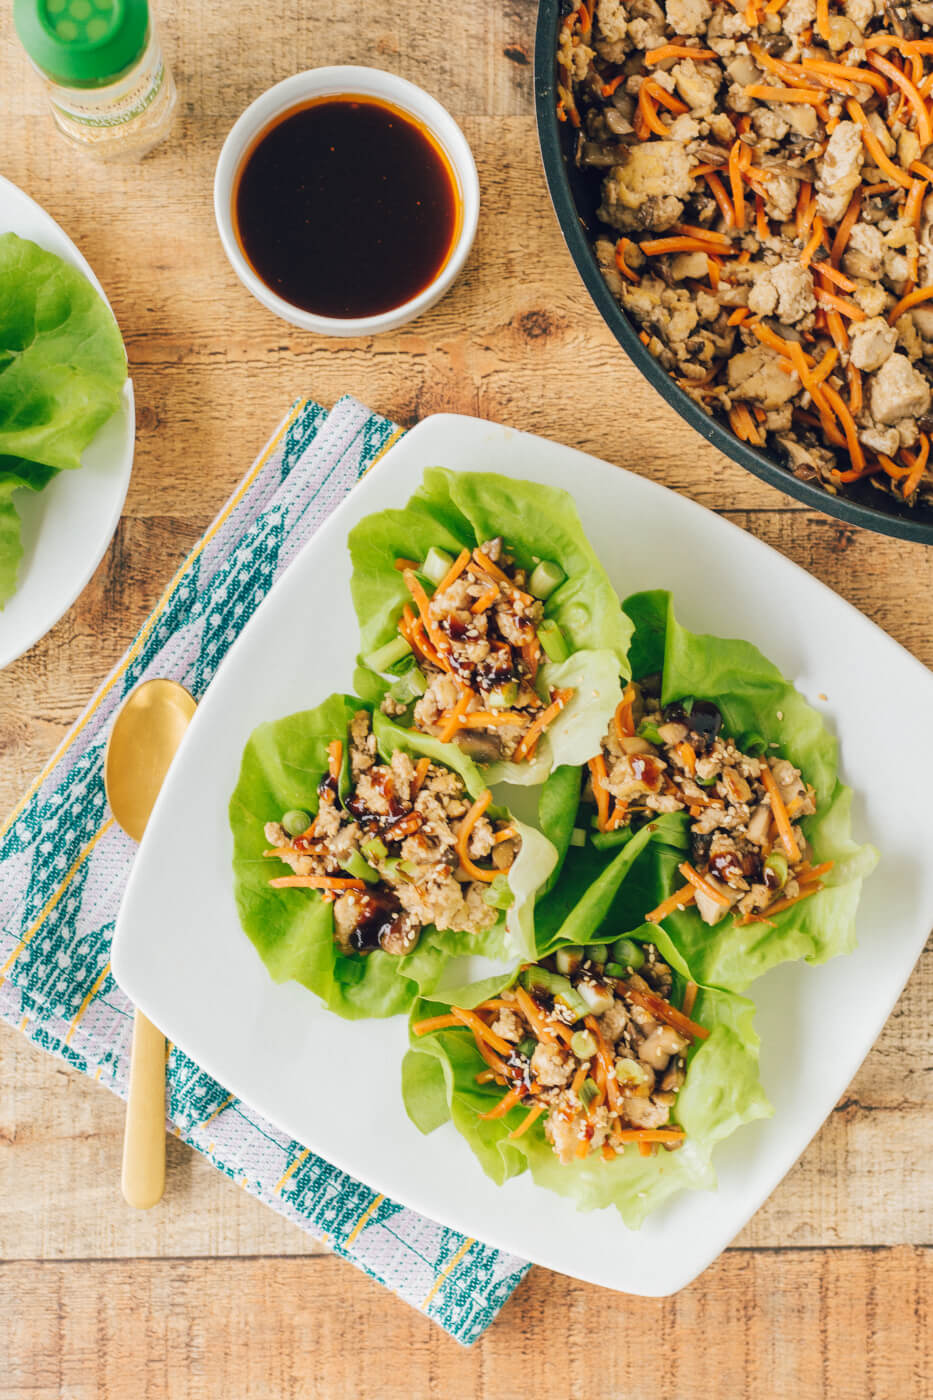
343 81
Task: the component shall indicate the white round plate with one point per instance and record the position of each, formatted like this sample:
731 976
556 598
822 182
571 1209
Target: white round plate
66 527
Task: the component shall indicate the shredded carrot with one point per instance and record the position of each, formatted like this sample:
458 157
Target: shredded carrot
578 1079
463 836
909 89
491 719
779 907
597 767
875 147
779 812
773 6
832 274
762 227
855 389
437 1023
526 1122
690 996
622 265
813 872
613 1093
334 759
693 877
911 299
836 327
663 1011
489 567
918 165
455 570
452 721
647 110
763 93
738 315
505 1104
644 1135
708 169
610 87
687 755
740 420
653 246
804 201
533 1015
486 600
840 304
735 181
917 467
421 772
403 564
845 228
315 882
619 814
695 231
487 1076
841 410
822 20
825 366
813 242
529 739
654 56
483 1032
508 833
438 640
713 266
680 899
846 73
624 719
718 191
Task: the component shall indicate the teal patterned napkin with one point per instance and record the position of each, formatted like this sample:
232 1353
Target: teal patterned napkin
64 864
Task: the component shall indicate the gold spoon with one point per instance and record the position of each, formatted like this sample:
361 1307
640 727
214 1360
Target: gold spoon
146 732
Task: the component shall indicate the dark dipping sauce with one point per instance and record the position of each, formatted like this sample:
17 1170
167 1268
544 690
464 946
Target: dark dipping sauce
346 207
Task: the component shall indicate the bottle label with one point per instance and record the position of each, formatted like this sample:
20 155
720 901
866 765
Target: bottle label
119 102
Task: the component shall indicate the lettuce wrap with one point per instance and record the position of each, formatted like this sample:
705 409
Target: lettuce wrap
762 712
720 1092
456 511
62 369
293 929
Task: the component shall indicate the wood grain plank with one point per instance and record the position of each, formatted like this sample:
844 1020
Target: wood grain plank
757 1326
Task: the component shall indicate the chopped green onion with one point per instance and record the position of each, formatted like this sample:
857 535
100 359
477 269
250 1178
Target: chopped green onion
296 821
558 987
383 657
374 848
578 836
633 1074
776 862
360 869
614 969
436 564
545 578
408 867
409 686
649 731
553 640
583 1044
503 697
568 960
588 1092
527 1047
627 953
596 952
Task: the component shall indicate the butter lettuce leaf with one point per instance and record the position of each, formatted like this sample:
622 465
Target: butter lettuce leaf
721 1092
293 929
456 510
62 370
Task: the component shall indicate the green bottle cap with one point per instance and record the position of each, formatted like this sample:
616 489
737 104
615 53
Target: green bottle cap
82 43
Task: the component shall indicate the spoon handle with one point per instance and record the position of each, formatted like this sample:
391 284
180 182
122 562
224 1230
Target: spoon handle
143 1178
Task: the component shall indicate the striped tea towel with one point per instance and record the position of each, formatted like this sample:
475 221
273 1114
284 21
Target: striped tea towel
64 864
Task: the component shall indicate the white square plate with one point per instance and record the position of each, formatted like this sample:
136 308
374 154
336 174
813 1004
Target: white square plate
180 954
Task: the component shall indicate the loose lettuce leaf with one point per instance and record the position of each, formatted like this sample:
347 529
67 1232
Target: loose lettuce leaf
62 362
453 510
292 929
757 704
62 367
721 1092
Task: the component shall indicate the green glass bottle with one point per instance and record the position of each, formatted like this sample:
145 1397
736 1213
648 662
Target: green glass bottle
109 88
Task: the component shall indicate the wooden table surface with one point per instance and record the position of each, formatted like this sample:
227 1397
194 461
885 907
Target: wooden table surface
827 1291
